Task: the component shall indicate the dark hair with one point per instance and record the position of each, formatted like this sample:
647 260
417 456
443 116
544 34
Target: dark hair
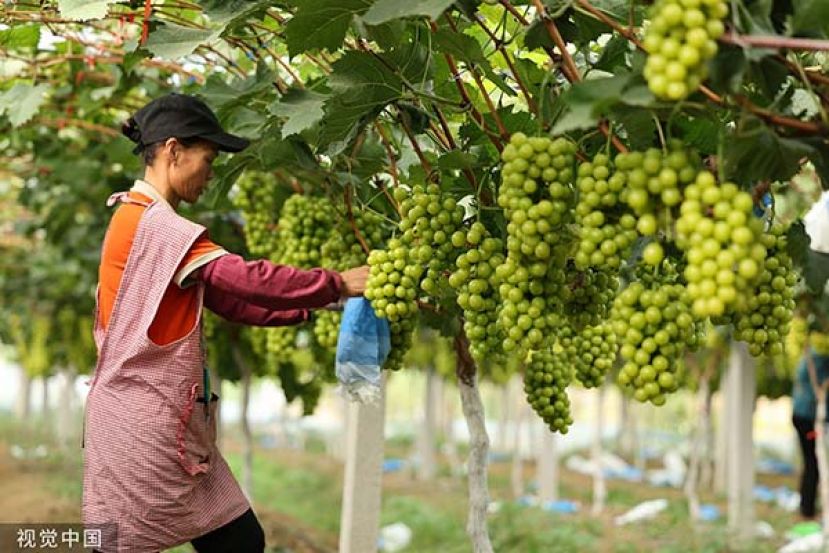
149 151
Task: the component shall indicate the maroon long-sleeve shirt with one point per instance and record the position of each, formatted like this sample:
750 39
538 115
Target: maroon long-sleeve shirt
261 293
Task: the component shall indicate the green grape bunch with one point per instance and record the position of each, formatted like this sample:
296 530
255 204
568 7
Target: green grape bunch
537 194
591 352
653 189
680 40
477 293
413 262
327 328
766 321
305 223
654 325
546 378
256 199
607 227
587 296
722 243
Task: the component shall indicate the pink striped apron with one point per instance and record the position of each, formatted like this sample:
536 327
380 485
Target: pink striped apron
151 465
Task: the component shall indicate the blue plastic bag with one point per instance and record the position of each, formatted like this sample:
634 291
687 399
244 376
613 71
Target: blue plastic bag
362 348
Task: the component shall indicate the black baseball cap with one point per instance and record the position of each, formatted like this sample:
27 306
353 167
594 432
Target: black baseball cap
179 116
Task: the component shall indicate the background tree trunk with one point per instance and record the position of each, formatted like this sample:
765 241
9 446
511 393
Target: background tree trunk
23 407
547 465
521 409
599 484
740 409
362 484
247 453
426 431
66 403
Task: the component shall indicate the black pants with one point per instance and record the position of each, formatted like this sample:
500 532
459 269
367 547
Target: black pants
809 478
241 535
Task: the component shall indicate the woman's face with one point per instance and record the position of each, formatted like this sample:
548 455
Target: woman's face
191 169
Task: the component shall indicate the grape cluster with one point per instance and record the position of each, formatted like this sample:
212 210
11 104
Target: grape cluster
607 229
327 328
653 181
305 223
766 320
342 250
546 378
256 198
654 324
280 341
537 194
591 352
587 296
477 296
721 240
680 40
413 261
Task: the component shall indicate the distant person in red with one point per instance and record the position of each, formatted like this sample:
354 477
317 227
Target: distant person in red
153 477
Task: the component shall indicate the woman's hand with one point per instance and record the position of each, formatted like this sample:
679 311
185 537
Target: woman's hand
354 281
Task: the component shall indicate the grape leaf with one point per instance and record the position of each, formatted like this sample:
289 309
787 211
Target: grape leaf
810 18
83 10
362 87
301 108
466 48
754 153
21 102
387 10
816 271
321 24
797 244
174 41
20 36
614 54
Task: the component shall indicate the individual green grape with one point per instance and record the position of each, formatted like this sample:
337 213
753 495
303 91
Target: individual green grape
680 40
546 378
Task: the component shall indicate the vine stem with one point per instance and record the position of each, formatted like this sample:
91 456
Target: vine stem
498 122
392 165
569 68
423 161
773 41
470 176
357 233
499 45
803 126
81 124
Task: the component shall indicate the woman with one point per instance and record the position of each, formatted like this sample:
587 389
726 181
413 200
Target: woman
153 477
804 413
